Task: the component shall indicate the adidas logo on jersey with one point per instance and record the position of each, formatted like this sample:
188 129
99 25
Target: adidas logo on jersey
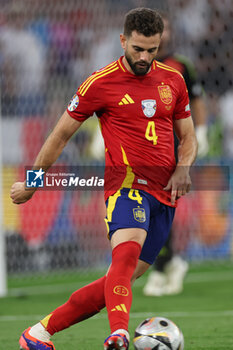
126 100
120 307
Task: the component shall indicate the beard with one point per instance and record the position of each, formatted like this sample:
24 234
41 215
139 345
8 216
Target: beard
139 67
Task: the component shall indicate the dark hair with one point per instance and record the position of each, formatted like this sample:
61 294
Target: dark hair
145 21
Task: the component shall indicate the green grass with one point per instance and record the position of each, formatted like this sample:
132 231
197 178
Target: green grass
204 311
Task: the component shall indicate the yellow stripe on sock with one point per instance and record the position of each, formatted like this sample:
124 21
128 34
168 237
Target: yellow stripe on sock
45 321
124 308
118 307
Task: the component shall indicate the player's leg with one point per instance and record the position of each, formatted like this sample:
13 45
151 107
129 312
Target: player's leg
157 236
174 267
120 339
175 270
126 248
81 305
157 279
160 220
128 217
141 268
169 270
165 255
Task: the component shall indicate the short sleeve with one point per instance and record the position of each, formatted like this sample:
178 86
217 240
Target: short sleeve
182 108
86 101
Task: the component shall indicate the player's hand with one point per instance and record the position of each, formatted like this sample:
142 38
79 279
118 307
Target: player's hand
179 183
19 194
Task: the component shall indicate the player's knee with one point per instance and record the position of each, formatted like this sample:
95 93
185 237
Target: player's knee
128 235
125 258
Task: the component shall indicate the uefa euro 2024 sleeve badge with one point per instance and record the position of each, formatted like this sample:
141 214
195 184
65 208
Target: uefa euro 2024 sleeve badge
73 103
149 108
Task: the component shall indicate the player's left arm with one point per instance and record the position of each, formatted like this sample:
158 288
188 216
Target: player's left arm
179 184
199 113
198 106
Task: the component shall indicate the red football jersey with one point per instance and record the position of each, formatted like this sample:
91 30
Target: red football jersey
136 115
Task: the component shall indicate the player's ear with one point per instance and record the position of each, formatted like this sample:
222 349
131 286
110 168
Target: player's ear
123 41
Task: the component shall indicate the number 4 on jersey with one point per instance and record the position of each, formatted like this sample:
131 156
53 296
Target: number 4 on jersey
150 133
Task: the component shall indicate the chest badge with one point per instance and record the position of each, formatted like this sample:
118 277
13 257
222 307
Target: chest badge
165 94
149 108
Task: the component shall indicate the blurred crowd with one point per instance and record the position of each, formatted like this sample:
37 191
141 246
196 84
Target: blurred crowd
48 48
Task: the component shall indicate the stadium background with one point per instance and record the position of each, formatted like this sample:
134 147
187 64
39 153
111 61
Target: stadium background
47 49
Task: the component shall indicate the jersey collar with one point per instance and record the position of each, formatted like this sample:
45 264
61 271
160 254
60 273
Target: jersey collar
123 68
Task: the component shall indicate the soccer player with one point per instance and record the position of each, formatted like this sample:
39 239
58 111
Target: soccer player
138 102
169 268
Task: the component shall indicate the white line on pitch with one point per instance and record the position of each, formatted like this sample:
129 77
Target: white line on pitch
140 315
60 288
199 277
46 289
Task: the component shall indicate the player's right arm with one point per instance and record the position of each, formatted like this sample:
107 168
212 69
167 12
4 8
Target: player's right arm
48 154
87 100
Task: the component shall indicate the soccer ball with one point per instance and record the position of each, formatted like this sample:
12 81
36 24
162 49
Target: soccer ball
158 333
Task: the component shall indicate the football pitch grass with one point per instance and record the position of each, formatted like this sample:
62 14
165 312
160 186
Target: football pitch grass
203 311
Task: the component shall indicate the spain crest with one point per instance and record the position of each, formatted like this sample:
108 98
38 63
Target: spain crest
139 214
165 94
149 108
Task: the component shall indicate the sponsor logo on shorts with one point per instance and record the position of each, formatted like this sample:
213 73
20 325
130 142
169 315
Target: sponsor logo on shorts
121 290
139 214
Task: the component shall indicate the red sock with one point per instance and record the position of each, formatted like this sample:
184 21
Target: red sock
81 305
118 294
